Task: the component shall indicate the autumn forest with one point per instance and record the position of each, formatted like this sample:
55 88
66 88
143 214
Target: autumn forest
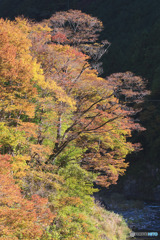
63 128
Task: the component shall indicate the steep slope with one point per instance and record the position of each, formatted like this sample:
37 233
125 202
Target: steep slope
133 28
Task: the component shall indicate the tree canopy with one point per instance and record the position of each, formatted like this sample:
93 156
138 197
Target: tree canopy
62 128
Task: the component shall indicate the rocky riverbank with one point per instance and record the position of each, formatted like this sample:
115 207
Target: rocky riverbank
139 215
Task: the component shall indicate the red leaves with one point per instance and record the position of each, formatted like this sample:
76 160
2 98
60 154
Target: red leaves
59 38
19 216
100 112
127 85
77 26
74 108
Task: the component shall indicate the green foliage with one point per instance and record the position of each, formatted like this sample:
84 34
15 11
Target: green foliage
12 140
60 123
70 154
77 215
78 181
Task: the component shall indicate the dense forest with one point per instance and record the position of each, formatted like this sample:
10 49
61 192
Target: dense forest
132 29
62 127
79 106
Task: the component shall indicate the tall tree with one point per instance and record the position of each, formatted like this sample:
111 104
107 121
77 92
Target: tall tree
98 121
77 26
80 30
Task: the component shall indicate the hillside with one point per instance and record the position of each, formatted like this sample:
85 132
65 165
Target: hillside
133 28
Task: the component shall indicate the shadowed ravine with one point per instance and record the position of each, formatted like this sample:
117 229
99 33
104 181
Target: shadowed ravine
147 218
139 215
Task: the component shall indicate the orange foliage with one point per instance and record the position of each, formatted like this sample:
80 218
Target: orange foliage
18 71
59 38
20 218
74 201
98 120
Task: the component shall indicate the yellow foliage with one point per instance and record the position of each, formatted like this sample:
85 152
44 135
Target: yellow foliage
19 165
18 69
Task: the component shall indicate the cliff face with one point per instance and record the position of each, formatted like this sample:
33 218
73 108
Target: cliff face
133 28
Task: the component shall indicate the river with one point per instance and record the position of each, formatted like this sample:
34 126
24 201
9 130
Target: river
146 218
139 215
